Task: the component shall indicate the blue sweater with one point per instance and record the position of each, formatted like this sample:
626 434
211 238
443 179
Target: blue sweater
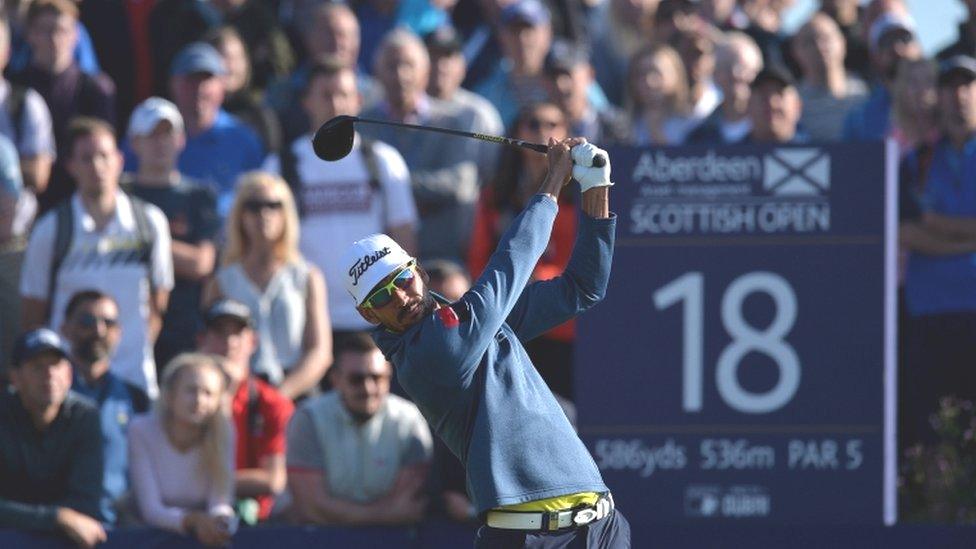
467 371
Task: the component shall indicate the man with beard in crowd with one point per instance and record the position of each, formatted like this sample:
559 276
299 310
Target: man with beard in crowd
92 330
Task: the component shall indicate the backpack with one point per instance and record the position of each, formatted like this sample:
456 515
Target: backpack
64 233
289 171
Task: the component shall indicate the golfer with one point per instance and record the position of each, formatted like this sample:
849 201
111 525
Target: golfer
531 479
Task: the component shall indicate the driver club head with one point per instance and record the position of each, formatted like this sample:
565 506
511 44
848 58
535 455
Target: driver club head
333 140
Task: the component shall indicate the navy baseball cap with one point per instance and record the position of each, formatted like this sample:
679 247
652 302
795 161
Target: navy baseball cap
957 65
198 57
526 12
228 308
564 56
774 73
35 342
444 40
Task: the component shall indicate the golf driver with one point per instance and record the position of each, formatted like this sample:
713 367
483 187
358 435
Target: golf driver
333 140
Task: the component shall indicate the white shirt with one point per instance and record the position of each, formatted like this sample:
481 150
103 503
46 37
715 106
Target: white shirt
278 312
361 461
340 208
103 260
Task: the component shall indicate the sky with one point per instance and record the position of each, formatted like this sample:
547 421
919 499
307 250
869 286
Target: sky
936 19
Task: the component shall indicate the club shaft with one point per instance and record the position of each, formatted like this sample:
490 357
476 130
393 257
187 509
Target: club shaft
598 161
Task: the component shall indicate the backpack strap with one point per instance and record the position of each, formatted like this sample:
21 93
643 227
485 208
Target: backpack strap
288 165
147 237
368 148
64 230
15 109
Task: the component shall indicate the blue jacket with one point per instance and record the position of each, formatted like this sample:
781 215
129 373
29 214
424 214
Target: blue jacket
467 371
870 120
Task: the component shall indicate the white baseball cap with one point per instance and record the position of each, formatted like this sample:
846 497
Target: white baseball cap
148 114
368 261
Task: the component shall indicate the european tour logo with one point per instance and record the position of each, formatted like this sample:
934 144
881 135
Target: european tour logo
361 265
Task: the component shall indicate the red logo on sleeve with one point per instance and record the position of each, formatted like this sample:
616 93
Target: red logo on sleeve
448 317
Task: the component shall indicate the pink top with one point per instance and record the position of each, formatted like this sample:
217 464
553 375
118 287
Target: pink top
168 483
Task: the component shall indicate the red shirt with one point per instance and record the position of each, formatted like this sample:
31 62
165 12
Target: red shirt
490 225
260 416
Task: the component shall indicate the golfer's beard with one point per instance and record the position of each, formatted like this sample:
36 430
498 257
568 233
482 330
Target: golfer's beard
92 350
428 304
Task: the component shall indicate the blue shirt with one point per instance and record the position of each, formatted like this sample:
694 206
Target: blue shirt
467 371
117 403
870 120
946 283
220 155
192 213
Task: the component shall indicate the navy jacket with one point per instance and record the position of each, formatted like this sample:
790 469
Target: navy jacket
467 371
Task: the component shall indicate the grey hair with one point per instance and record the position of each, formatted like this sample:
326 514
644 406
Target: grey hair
399 38
731 42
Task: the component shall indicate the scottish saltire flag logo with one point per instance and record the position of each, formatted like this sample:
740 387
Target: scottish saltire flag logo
797 172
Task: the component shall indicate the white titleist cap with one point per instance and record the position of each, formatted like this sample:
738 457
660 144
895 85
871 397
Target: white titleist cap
368 261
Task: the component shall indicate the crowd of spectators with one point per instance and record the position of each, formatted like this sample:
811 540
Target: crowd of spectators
164 217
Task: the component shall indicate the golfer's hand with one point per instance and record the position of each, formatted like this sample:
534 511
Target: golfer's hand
588 175
560 163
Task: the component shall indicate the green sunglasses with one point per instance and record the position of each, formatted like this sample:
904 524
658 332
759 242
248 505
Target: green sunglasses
384 295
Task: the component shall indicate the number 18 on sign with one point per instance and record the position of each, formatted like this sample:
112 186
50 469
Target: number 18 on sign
740 367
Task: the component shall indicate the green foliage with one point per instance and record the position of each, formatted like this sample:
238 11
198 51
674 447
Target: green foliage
938 482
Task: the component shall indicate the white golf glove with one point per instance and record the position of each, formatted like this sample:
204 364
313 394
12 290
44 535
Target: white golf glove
583 169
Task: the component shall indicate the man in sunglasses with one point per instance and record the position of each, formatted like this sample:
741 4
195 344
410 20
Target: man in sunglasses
532 481
359 455
92 330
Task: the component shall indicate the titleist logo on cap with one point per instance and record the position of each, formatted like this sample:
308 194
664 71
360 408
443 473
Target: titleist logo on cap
360 266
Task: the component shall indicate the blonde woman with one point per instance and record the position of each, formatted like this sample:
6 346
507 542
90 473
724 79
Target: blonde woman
658 98
263 269
182 455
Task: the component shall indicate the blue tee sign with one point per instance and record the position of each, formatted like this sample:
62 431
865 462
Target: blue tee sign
741 365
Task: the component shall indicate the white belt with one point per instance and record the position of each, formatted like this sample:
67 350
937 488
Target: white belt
551 520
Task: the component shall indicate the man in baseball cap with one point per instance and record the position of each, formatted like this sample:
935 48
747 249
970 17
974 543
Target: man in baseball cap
935 220
891 39
774 107
260 413
464 365
157 139
219 146
51 461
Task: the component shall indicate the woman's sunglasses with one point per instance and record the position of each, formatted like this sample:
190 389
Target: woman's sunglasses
256 206
384 295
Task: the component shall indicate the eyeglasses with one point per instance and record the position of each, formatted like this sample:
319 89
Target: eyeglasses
384 295
89 321
536 124
256 206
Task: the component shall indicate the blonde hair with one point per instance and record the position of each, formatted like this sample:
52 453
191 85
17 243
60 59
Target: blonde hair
286 249
217 431
679 101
